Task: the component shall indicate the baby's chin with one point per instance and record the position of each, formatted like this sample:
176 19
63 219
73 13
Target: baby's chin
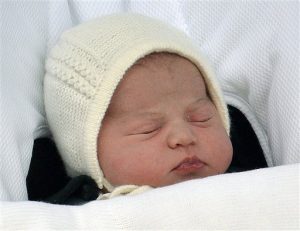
179 178
187 178
174 177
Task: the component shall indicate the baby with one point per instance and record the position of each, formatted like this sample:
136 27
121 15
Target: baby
131 103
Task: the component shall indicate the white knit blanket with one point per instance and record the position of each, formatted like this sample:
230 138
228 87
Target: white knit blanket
261 199
254 47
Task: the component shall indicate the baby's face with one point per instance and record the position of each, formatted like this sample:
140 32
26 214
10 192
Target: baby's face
161 127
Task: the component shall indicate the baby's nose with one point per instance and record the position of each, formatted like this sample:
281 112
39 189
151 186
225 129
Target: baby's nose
181 134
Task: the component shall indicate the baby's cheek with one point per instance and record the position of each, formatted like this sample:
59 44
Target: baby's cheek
226 154
129 168
221 149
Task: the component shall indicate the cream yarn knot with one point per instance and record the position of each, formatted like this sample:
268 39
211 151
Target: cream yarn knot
125 190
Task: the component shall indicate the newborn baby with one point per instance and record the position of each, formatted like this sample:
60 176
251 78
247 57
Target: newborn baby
161 126
130 102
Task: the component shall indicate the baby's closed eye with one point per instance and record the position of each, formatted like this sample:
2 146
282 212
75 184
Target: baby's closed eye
145 129
148 131
200 118
203 112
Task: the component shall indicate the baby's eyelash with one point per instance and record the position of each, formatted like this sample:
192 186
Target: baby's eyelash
148 131
193 119
204 120
144 131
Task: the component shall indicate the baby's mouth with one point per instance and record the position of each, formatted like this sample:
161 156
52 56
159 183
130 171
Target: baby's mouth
189 165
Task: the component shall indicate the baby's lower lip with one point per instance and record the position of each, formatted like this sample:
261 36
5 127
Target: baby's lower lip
189 167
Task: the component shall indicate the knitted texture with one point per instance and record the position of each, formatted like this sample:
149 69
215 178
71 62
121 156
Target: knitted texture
84 69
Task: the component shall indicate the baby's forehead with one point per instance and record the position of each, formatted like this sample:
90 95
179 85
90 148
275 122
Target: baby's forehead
156 76
155 59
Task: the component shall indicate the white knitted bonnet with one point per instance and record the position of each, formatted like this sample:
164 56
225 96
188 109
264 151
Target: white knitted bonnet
84 69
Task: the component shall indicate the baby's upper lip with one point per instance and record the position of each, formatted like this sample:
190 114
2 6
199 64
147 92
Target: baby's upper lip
188 160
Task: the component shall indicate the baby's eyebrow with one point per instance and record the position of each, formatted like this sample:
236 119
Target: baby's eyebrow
149 115
195 105
157 116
